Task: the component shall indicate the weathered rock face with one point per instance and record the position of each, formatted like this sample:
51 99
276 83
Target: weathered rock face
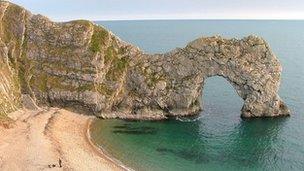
85 67
9 84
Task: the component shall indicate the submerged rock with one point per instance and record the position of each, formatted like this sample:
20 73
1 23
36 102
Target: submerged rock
83 66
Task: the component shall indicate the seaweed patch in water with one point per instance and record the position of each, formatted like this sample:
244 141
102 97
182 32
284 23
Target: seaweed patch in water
164 150
134 132
127 129
191 155
121 126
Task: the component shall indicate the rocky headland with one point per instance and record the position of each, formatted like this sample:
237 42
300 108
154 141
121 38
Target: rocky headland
81 66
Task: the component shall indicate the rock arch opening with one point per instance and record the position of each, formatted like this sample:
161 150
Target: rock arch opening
219 97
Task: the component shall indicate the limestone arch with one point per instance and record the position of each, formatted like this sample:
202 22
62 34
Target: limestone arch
248 65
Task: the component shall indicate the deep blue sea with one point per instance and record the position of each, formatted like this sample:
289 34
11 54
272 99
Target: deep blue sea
218 139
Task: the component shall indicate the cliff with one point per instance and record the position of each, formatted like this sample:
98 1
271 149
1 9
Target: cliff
82 66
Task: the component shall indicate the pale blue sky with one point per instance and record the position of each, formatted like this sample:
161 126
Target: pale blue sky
62 10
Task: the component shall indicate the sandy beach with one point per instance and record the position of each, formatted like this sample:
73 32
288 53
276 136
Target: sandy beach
40 138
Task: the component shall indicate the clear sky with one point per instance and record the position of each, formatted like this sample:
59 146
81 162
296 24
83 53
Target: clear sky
63 10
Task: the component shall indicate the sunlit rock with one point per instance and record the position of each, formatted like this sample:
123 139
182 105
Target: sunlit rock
85 67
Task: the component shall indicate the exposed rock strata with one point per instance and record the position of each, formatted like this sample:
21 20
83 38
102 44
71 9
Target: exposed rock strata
85 67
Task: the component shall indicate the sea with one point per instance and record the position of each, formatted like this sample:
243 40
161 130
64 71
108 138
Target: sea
216 139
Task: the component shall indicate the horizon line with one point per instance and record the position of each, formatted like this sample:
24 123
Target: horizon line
173 19
164 19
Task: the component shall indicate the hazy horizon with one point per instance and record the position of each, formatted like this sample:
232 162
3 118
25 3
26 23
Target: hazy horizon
109 10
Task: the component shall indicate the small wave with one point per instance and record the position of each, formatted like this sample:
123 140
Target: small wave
184 119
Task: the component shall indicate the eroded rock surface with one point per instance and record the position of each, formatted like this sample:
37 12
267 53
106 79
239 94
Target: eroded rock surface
85 67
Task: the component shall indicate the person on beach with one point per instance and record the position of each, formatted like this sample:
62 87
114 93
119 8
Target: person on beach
60 163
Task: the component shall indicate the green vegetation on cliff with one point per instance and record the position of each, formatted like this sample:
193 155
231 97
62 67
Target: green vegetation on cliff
99 38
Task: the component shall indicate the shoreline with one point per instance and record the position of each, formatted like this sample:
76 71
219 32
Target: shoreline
45 138
101 151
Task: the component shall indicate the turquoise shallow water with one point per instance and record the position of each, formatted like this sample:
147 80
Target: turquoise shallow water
218 139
